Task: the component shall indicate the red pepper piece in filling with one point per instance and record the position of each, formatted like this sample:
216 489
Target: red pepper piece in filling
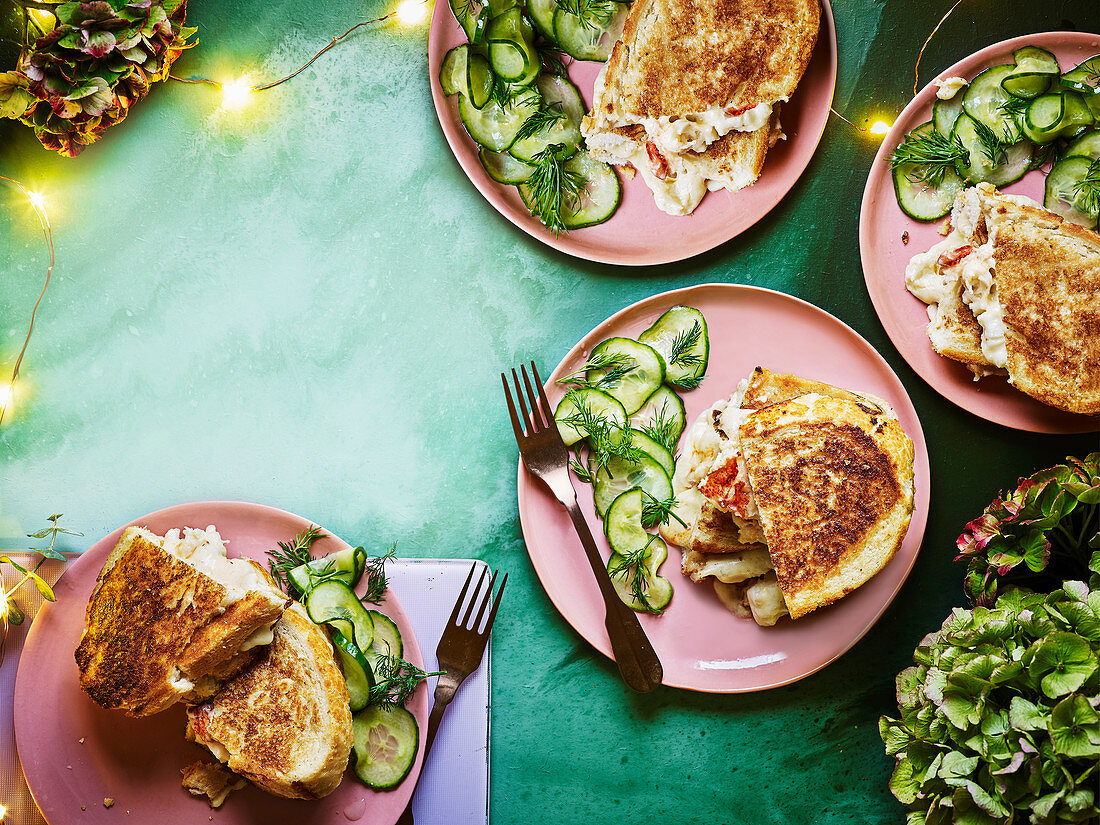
657 161
951 258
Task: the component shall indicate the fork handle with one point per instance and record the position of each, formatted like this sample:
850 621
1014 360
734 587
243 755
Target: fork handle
445 690
637 661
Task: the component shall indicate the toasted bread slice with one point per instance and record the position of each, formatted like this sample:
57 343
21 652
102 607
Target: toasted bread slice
955 332
680 57
766 388
833 482
160 629
284 723
212 780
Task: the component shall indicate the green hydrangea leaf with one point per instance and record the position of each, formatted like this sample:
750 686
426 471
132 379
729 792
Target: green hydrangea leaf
903 784
1025 715
1075 728
955 768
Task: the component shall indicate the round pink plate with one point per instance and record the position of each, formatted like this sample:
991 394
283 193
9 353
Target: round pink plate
882 227
75 753
639 233
702 645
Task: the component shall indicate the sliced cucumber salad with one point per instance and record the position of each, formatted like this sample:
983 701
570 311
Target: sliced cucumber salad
517 103
1009 120
368 646
623 418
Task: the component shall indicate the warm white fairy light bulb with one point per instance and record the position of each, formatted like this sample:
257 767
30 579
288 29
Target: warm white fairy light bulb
235 93
411 12
7 395
879 128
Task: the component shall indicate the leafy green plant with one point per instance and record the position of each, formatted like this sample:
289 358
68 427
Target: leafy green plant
82 65
1043 533
998 718
8 607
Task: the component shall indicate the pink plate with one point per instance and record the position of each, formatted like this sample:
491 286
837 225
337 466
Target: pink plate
884 254
75 753
639 233
702 645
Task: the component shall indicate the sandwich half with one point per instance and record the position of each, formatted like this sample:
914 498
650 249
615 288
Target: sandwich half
170 619
284 723
691 93
1015 290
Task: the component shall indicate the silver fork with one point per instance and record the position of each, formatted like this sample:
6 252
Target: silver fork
460 650
545 455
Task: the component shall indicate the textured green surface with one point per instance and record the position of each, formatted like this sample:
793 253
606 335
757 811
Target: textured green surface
307 305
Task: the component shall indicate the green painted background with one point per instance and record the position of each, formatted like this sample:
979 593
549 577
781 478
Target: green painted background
307 305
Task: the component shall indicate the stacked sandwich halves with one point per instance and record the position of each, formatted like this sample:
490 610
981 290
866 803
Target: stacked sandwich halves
690 95
1014 290
791 494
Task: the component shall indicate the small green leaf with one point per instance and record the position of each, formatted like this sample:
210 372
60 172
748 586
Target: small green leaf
16 565
1075 728
1023 715
903 785
43 586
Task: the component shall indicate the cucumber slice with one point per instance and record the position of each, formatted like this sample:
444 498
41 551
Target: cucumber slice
357 673
1078 116
473 16
918 198
985 99
512 48
654 449
1034 59
683 329
656 591
623 523
664 405
387 739
1061 195
602 192
1086 146
634 371
387 638
334 603
495 126
498 7
343 565
620 475
559 93
503 168
452 74
1035 70
479 80
583 403
1085 78
542 15
945 113
583 41
996 167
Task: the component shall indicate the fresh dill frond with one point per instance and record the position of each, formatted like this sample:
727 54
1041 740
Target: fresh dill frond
606 439
1042 156
993 147
292 554
545 118
656 512
593 14
663 429
1086 191
633 568
930 154
680 351
1013 105
617 364
553 189
552 58
506 94
396 680
690 383
580 471
375 574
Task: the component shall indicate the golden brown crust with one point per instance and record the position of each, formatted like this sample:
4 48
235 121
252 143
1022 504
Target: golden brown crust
151 618
834 485
285 721
1048 282
682 56
766 388
956 333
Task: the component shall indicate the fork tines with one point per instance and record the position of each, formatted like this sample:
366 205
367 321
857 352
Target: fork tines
541 415
479 599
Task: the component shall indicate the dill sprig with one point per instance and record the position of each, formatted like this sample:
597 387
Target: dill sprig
633 568
553 189
1013 105
546 117
690 383
681 350
930 154
375 573
663 429
593 14
581 471
506 94
292 554
1086 191
993 146
396 680
552 58
617 365
1042 156
656 511
606 439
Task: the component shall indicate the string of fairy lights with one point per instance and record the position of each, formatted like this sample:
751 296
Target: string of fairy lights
236 93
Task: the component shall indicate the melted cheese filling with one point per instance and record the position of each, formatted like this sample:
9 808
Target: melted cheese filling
695 131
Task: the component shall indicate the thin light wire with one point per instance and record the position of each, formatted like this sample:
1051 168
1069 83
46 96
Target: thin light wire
838 114
298 71
920 54
47 231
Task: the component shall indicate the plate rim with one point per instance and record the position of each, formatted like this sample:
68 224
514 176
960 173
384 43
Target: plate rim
876 278
105 543
526 483
494 193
